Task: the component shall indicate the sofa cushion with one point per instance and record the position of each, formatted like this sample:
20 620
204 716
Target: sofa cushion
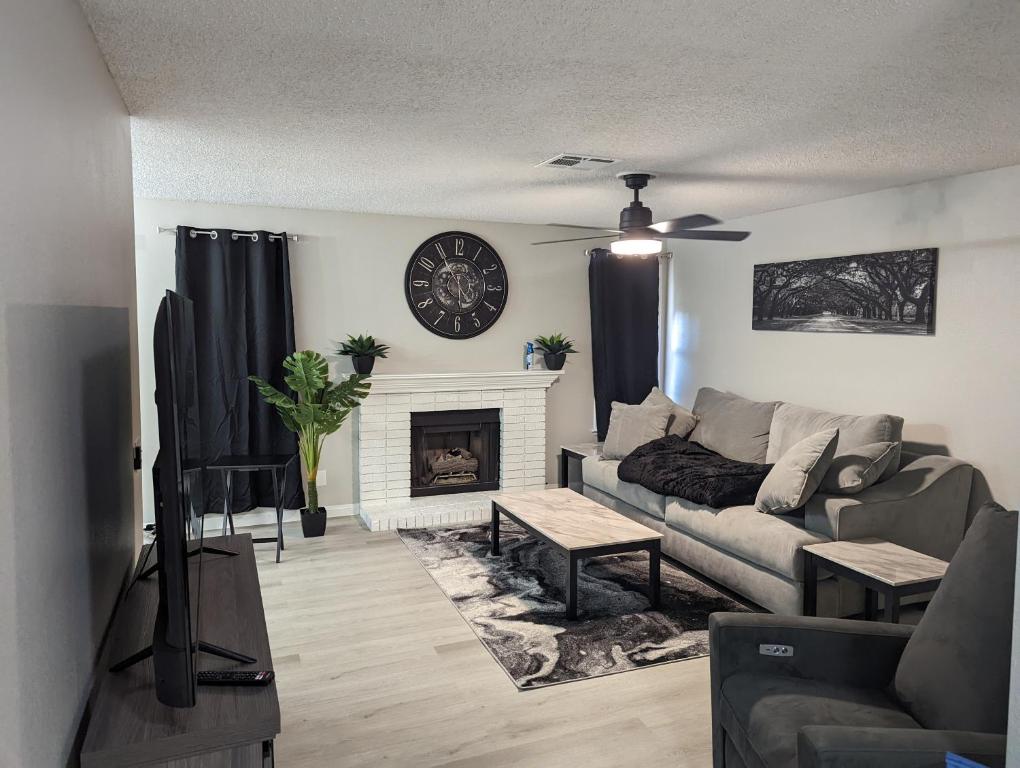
770 541
857 468
954 672
792 423
602 474
795 477
734 426
681 422
631 426
764 713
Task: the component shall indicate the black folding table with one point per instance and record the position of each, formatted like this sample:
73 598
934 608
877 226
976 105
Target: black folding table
275 463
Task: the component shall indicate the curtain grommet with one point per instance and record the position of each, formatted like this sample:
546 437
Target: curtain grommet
213 235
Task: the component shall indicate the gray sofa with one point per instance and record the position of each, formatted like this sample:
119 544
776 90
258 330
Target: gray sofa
919 502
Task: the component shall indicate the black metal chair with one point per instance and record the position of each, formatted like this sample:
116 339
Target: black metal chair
275 463
799 692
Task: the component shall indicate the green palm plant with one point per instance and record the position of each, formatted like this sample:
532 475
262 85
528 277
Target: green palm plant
320 409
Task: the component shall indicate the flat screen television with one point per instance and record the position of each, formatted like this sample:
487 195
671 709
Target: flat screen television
176 480
173 645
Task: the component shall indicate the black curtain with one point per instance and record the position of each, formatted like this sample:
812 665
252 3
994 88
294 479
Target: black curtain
624 293
244 324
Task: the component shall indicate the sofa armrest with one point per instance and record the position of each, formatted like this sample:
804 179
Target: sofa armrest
864 653
923 507
833 746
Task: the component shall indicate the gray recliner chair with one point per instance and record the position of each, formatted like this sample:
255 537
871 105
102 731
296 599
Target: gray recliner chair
858 693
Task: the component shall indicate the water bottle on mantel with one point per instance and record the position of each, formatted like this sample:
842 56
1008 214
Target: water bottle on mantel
529 355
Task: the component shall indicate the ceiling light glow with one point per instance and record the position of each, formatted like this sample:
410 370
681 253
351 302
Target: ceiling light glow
636 247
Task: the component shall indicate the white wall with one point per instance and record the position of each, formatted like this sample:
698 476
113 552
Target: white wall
956 389
67 511
347 274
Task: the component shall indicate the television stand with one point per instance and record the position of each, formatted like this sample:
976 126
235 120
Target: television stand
229 727
201 549
200 645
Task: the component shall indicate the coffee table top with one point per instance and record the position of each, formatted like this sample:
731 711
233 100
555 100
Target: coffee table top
881 560
573 521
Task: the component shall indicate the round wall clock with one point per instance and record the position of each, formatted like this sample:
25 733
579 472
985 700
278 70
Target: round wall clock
456 285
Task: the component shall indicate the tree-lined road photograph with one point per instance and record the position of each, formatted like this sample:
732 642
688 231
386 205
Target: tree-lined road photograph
891 292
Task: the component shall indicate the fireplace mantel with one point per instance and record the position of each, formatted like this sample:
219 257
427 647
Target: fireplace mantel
392 383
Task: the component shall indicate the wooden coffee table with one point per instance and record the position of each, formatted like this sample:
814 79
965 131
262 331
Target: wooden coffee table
579 528
877 565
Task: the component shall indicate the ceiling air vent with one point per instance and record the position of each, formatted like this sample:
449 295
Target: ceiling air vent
576 162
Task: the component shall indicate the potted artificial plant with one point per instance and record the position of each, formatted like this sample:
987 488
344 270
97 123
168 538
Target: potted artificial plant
320 410
555 349
363 350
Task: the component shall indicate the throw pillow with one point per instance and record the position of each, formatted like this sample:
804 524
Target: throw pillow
631 426
681 422
733 426
858 468
796 476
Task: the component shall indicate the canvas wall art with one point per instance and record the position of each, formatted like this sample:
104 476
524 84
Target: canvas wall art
890 292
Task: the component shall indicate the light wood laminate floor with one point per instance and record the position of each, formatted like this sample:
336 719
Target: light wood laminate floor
375 667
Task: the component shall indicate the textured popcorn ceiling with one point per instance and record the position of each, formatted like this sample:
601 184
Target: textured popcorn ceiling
443 108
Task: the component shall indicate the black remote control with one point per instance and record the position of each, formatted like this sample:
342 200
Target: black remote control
232 677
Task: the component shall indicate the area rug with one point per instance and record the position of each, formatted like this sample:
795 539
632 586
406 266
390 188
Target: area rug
514 602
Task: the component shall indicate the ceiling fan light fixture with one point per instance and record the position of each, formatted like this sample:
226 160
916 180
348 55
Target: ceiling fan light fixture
636 247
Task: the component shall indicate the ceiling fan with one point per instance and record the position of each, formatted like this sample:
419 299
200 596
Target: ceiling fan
639 237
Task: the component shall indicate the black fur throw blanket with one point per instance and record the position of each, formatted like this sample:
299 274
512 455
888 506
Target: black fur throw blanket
672 466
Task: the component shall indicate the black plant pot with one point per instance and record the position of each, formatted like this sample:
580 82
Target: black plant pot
363 363
313 523
555 360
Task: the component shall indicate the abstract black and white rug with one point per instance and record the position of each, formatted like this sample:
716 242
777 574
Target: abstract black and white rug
514 603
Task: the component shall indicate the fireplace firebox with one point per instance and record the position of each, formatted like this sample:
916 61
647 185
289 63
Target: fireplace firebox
454 451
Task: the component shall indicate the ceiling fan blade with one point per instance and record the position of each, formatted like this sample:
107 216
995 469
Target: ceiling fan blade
685 222
575 239
707 234
578 226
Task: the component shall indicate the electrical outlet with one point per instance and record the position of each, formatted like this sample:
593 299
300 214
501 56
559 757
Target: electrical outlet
321 477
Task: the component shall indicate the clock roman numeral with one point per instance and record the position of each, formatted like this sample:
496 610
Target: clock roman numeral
442 253
494 288
421 283
458 246
476 253
439 317
490 307
427 263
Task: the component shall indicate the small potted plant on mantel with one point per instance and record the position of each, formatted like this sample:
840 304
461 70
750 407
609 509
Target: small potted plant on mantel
555 349
320 410
363 350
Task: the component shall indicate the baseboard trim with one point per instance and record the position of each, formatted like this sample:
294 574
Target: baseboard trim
267 516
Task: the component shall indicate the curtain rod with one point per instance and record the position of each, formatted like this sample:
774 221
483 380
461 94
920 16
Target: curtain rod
212 233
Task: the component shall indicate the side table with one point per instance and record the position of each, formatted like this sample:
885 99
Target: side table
275 463
877 565
575 452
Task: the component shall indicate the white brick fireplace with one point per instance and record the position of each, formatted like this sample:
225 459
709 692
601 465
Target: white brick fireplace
382 432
